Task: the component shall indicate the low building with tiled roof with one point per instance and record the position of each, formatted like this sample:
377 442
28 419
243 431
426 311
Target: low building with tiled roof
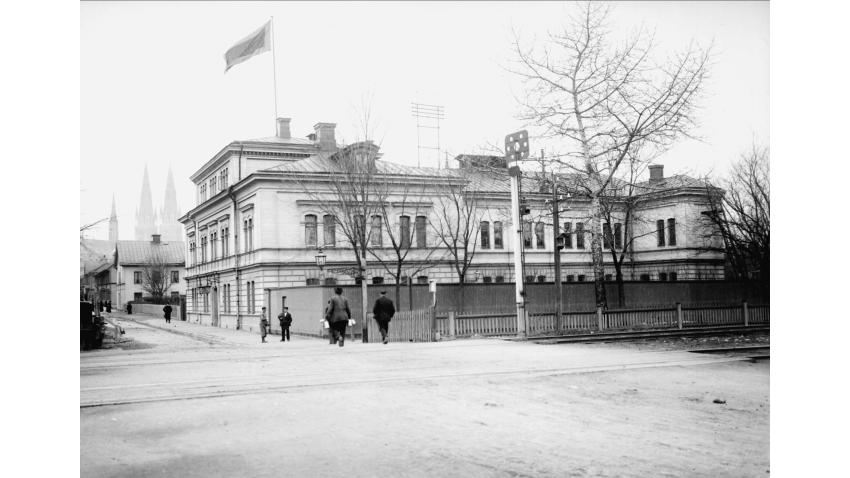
262 213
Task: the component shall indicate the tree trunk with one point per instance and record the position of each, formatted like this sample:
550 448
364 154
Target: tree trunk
398 287
621 288
596 253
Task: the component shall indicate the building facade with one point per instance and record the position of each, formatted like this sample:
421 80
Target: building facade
262 214
136 261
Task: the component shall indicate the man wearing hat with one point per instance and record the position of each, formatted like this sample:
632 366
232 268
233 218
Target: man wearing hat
384 311
285 319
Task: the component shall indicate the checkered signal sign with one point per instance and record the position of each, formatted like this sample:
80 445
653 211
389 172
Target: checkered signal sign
516 146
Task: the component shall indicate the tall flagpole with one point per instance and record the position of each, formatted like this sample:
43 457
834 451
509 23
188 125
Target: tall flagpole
274 69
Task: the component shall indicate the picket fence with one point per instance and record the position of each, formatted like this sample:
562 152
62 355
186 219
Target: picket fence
415 326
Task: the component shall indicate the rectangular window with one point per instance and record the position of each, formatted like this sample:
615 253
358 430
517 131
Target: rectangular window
175 277
541 278
212 186
137 277
404 231
526 234
421 279
498 243
644 277
359 228
225 241
376 232
581 277
485 235
310 234
579 235
378 280
500 279
671 231
674 277
606 236
204 249
137 296
421 224
662 276
618 235
659 232
250 233
203 192
568 235
609 277
540 232
224 178
313 281
488 279
329 222
213 246
571 278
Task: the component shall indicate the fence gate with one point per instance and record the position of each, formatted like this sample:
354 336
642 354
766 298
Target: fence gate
406 326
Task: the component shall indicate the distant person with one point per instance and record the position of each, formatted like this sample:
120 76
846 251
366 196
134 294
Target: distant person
285 319
100 306
167 311
338 314
384 311
264 325
108 306
129 308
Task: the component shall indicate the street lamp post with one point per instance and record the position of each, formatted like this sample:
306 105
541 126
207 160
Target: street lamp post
321 259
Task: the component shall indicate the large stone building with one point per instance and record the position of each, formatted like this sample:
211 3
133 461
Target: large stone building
262 214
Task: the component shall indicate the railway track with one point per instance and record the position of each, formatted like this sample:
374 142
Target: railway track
649 334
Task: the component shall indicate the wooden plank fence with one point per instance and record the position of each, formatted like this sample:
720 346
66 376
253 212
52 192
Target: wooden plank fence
406 326
415 326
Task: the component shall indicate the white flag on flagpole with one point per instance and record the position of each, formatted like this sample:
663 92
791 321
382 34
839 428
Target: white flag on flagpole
254 44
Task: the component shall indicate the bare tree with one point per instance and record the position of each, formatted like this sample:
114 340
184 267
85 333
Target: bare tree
604 99
740 217
155 280
403 201
457 221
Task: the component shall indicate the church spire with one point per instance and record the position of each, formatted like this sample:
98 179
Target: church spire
170 227
113 223
145 215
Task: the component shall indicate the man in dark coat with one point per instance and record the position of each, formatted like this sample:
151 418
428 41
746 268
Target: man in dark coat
167 311
338 315
384 311
285 319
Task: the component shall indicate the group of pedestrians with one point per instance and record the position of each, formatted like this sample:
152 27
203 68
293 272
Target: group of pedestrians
338 316
285 319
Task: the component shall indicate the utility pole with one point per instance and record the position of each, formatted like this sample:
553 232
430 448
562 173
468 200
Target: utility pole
516 148
559 243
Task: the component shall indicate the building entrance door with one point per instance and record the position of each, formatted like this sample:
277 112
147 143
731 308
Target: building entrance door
214 307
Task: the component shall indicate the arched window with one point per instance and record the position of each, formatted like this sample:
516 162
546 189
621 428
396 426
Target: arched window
310 235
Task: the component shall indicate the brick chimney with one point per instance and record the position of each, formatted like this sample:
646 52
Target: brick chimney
325 136
656 172
155 238
283 128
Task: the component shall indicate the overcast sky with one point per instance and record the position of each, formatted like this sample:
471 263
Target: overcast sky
154 91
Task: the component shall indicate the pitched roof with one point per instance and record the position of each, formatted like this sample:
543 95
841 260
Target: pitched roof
94 253
140 252
279 140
